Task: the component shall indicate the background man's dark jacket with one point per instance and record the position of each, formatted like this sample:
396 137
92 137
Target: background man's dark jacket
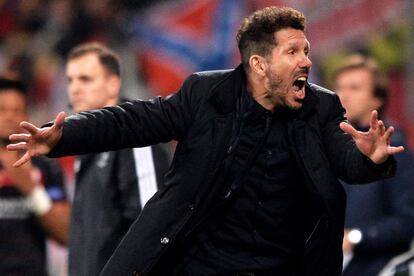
201 117
384 212
106 203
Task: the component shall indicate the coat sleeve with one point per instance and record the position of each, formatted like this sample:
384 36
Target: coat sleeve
347 161
131 124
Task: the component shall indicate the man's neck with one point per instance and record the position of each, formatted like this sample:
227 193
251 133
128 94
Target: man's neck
361 123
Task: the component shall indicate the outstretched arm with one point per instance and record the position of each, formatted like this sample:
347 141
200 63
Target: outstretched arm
375 143
38 141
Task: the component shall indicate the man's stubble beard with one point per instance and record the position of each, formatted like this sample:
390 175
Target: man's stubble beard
277 91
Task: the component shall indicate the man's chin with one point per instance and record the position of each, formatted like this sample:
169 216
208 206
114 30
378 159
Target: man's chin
295 106
79 108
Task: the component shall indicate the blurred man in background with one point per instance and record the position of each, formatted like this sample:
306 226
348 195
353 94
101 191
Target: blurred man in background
32 198
379 222
111 187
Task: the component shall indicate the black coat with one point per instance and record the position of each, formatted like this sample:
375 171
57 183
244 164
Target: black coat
202 116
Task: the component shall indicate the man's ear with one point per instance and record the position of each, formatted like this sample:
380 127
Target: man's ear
258 65
114 86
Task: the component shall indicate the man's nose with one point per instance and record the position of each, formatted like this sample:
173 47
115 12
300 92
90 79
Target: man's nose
306 62
73 88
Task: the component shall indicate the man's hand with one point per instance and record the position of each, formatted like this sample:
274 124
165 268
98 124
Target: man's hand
38 141
347 246
375 143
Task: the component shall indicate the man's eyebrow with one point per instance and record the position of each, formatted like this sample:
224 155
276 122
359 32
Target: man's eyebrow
295 44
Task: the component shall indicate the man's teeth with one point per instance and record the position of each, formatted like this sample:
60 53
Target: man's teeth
302 79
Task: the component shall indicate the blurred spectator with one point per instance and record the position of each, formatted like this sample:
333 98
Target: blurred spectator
111 187
36 35
379 221
32 197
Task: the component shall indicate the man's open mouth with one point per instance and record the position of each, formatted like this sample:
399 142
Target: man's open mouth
299 83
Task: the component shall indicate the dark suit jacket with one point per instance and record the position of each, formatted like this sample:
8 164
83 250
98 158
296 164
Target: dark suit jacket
201 116
384 212
106 202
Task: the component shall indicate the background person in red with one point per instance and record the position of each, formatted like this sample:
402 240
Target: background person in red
32 198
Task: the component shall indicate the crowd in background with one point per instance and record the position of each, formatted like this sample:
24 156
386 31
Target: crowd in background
161 42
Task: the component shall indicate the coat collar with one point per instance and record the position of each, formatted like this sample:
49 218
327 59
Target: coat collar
309 103
227 93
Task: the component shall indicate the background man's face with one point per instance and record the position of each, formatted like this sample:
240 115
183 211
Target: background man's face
12 112
288 63
88 83
354 88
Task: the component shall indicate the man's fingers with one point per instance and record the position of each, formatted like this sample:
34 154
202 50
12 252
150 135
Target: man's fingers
31 128
381 127
347 128
395 150
24 159
21 137
17 146
60 119
388 134
374 120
